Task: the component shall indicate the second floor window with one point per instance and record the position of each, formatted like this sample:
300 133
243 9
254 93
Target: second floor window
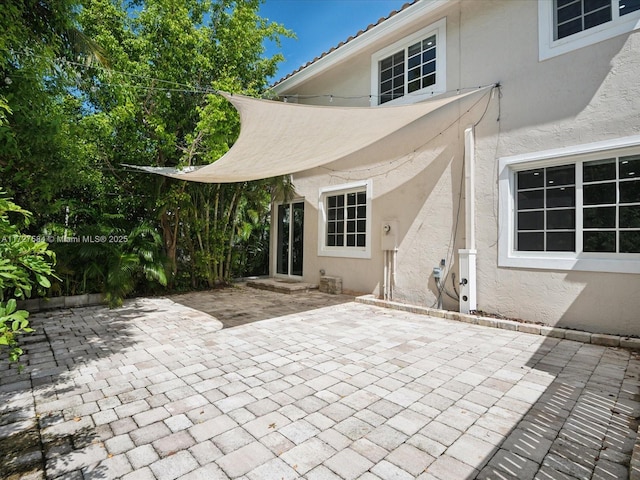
574 16
408 70
411 69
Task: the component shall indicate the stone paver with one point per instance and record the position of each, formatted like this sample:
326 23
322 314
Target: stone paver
157 390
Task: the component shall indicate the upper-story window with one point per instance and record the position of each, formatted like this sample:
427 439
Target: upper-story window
410 68
566 25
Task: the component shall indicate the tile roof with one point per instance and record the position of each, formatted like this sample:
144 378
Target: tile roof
351 38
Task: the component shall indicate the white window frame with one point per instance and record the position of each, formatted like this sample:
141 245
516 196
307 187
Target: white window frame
579 261
549 47
439 29
348 252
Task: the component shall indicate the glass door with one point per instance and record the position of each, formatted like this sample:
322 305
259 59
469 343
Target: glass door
290 235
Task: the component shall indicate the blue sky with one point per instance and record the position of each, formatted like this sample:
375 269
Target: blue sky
320 25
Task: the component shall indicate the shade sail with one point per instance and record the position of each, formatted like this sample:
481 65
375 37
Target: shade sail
278 138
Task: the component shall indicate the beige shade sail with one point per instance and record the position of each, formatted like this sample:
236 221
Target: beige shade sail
278 138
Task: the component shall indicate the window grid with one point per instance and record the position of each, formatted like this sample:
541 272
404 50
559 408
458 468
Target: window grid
574 16
545 205
397 79
588 206
347 219
611 212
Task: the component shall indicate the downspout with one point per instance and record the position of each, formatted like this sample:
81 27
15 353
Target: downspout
467 256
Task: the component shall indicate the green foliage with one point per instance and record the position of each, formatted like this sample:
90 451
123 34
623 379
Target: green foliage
86 87
24 264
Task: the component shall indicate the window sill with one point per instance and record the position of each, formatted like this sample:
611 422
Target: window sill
582 263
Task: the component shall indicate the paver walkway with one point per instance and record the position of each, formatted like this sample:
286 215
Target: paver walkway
155 390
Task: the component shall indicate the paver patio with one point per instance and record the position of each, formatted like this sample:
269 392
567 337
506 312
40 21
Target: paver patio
155 390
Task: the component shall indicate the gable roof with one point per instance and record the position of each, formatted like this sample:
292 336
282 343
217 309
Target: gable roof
408 13
351 38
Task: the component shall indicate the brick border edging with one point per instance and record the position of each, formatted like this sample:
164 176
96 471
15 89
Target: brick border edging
602 339
35 305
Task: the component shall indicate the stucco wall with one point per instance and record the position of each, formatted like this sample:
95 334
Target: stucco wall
587 95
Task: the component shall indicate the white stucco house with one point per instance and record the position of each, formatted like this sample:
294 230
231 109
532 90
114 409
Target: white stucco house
521 198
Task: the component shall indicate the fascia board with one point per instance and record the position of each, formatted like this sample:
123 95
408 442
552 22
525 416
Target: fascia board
413 14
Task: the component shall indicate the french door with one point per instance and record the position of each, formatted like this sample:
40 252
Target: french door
290 235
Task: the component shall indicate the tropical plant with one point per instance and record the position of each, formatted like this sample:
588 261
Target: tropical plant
25 263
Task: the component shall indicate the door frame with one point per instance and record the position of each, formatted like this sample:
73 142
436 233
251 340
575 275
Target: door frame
275 235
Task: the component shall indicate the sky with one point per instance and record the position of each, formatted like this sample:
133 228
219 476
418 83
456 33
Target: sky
320 25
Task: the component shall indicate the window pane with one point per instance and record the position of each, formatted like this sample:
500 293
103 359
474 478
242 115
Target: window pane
361 240
398 58
414 62
599 241
362 198
531 242
351 226
564 175
386 63
340 227
331 201
569 28
630 191
530 199
429 42
601 217
599 194
561 219
414 86
429 55
339 241
569 12
561 197
362 226
331 214
351 240
398 70
331 240
597 18
630 166
362 211
531 178
630 217
630 242
413 74
429 80
562 3
599 170
340 200
428 68
591 5
531 220
351 212
385 76
561 242
331 227
628 6
415 48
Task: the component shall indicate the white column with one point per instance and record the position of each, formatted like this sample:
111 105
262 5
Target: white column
467 256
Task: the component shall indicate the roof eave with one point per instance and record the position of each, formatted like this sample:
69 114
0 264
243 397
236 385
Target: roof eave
404 18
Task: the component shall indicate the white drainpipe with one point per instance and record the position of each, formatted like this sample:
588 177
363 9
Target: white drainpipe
467 256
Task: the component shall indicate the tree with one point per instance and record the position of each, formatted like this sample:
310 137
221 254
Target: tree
24 264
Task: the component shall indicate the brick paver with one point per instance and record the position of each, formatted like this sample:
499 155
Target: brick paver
156 390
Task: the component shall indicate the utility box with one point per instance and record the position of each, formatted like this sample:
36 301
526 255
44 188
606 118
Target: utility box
389 235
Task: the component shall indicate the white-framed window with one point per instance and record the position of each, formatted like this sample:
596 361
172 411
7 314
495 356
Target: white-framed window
566 25
410 69
576 208
344 220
